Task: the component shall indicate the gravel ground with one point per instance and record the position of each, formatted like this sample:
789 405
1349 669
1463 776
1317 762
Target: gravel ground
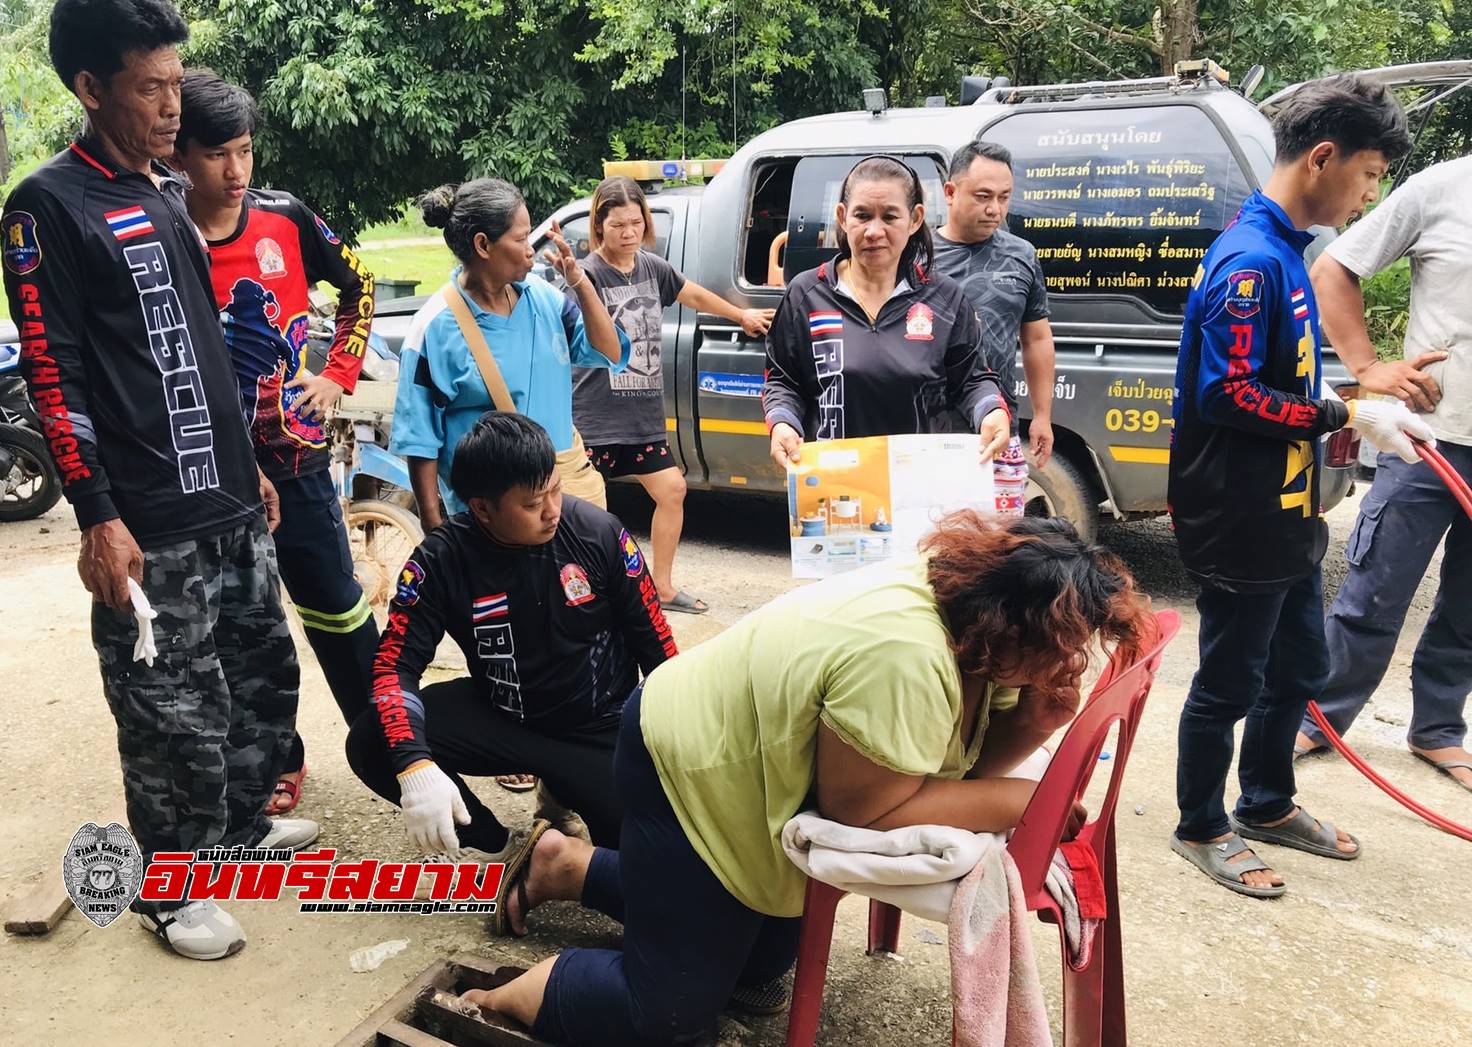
1374 951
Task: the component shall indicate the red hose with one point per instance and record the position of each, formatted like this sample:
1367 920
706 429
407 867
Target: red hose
1463 494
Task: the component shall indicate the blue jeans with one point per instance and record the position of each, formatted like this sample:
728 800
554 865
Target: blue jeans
1401 522
1262 659
687 941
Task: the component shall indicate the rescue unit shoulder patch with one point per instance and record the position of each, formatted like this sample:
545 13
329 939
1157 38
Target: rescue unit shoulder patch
21 247
327 234
633 559
406 593
1244 293
575 585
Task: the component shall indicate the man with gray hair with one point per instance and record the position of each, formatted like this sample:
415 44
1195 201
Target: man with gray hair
1000 274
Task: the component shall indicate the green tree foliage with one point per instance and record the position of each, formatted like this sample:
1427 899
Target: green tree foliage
369 102
39 113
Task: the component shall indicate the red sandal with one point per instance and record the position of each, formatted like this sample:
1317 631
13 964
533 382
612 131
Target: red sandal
291 784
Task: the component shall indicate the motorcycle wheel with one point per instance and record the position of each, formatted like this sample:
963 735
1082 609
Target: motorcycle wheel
32 486
381 536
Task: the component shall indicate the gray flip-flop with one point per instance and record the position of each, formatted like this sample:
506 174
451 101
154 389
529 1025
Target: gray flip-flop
1213 860
1302 832
684 603
1446 766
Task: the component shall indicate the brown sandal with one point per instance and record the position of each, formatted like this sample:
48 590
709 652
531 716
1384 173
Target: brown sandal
513 878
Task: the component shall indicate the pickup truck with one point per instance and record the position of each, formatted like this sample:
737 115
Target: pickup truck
1121 186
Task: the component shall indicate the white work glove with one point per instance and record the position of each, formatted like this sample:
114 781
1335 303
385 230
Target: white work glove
144 649
432 805
1388 424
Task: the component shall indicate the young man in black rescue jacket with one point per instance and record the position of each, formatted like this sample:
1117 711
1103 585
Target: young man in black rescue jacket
553 604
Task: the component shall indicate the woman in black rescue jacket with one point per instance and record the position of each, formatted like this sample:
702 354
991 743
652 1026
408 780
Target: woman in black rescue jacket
871 344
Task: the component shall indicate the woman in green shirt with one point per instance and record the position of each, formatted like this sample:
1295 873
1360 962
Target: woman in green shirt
893 696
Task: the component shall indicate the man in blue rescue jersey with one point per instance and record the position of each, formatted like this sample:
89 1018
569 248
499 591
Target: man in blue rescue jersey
1244 481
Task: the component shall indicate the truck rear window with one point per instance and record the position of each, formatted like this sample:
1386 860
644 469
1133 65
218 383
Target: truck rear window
1121 201
793 203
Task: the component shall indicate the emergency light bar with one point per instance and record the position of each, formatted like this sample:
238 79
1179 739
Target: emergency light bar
658 171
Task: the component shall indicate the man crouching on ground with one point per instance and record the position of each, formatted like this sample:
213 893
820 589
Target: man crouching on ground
552 602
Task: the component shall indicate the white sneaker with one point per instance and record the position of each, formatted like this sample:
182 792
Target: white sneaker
199 931
290 833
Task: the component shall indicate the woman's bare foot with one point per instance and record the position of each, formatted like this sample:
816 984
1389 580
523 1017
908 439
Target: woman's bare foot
1256 878
555 872
520 998
1453 752
1343 842
517 783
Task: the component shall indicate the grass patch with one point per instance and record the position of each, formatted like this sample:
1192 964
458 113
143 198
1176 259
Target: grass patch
409 224
429 264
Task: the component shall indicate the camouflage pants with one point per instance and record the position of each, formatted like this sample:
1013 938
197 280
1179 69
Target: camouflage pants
203 732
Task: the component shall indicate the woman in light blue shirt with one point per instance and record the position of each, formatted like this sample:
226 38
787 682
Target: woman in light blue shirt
535 332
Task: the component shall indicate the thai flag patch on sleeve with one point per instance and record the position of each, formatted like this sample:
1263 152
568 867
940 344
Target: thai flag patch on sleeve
128 223
494 606
1300 305
824 324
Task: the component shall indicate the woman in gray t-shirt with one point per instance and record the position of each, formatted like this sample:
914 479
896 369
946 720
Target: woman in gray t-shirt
621 417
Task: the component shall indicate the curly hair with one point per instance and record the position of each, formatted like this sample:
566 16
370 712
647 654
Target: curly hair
1024 597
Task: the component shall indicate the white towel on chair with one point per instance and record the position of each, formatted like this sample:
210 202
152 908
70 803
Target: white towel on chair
916 868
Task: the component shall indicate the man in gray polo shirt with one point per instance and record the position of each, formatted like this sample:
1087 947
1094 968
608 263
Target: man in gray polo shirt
1408 509
1004 283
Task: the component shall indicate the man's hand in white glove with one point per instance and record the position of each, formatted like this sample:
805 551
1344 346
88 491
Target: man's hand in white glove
432 806
1388 424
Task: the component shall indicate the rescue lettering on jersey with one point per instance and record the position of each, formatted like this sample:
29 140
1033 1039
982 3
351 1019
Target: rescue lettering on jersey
828 363
388 697
1298 473
45 388
649 597
496 648
173 354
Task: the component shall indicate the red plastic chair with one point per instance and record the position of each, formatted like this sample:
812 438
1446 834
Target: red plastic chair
1093 995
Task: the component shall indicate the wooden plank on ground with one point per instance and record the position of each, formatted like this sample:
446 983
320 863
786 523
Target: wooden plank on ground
40 907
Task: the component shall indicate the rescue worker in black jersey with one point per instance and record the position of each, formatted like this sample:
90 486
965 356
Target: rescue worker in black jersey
875 342
554 606
123 355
